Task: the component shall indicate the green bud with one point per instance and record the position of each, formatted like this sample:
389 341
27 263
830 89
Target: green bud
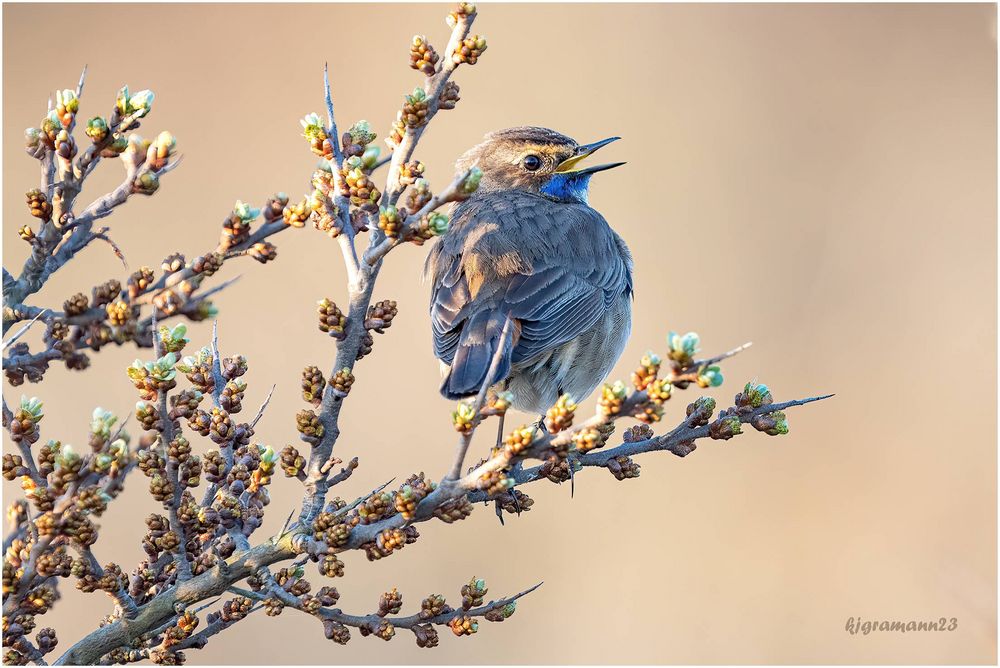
370 156
437 223
772 424
103 462
504 397
33 407
732 424
361 133
141 102
67 98
207 310
174 340
312 127
683 347
619 390
121 102
757 394
710 377
137 371
267 454
97 128
163 368
245 212
101 422
119 144
701 409
390 213
464 412
470 183
119 447
147 183
67 457
780 424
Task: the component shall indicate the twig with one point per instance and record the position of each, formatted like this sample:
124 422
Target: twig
19 333
263 407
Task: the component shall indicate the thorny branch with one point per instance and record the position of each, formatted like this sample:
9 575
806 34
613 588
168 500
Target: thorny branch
113 312
200 550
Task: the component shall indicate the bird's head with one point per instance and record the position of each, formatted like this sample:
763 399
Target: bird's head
536 160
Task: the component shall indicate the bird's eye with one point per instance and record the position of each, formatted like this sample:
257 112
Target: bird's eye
532 162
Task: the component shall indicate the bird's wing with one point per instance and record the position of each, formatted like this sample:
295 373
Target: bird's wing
554 268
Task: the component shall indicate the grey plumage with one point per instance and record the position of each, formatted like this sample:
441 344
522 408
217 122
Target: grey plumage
554 266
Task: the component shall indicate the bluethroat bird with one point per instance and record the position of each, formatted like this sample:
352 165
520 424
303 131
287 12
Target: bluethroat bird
527 246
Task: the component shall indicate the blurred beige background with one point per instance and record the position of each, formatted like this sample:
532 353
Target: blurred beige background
818 179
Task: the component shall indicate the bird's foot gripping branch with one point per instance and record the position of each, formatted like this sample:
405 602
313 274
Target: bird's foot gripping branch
204 571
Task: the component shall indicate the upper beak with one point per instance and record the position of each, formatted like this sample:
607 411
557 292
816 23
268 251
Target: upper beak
582 152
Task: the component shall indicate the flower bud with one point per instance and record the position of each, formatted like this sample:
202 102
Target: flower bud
772 424
612 398
165 144
32 136
245 212
173 340
101 423
754 395
390 222
32 408
313 128
361 133
470 183
710 377
370 157
97 129
683 348
139 103
463 417
436 223
725 427
146 183
700 411
423 57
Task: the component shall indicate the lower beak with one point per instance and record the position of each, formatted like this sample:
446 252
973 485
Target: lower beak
582 152
598 168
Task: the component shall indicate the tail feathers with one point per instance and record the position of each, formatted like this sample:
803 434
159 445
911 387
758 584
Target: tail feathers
479 341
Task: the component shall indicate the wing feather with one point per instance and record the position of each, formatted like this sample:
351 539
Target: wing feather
554 267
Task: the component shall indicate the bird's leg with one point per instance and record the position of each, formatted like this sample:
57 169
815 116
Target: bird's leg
514 470
500 431
572 478
517 504
540 423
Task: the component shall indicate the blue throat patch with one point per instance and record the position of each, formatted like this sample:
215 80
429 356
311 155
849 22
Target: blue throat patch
568 186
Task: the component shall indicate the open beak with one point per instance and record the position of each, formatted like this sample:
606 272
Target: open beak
567 165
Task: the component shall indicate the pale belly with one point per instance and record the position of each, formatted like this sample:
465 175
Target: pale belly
575 368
